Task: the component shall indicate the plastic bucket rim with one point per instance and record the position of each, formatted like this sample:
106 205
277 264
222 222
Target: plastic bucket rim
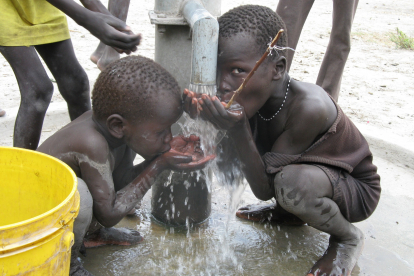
54 209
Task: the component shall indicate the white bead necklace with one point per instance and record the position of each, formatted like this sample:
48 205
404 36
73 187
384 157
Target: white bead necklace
277 112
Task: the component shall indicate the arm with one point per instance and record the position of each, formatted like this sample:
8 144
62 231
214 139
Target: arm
107 28
110 206
234 120
296 138
95 5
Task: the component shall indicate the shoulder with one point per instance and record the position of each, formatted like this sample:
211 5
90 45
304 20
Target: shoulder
80 137
93 144
312 106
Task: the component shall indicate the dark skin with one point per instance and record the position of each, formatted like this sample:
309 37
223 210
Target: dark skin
101 152
294 14
36 89
302 190
99 21
103 54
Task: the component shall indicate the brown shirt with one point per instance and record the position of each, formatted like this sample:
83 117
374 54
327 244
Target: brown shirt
341 146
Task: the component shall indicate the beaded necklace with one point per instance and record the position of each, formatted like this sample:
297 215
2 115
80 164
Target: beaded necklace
277 112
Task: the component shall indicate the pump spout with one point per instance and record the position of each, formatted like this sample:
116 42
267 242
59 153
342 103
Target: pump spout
185 198
204 30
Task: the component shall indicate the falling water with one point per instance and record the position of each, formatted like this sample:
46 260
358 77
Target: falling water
222 245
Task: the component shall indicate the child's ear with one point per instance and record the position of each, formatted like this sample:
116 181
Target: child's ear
115 124
280 68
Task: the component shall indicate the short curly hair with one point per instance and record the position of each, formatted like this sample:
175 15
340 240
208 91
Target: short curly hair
259 21
130 86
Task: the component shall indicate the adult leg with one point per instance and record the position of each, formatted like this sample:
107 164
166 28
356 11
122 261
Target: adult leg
36 91
294 14
70 77
118 8
97 54
333 64
80 226
306 192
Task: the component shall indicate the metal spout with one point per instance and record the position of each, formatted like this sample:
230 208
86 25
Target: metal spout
204 30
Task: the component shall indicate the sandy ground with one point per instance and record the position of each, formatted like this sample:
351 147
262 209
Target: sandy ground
377 94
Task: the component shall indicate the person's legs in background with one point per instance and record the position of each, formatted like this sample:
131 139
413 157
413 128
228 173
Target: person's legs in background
333 64
103 54
70 77
36 91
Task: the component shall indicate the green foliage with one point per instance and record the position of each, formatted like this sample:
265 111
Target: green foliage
402 41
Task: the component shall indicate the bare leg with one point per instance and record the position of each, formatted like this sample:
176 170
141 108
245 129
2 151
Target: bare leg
2 112
333 64
70 77
118 8
294 14
80 226
306 192
98 53
36 91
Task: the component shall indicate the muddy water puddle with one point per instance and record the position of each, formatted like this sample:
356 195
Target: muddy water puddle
223 245
226 245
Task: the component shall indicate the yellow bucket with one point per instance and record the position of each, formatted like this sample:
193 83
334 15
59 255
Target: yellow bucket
38 204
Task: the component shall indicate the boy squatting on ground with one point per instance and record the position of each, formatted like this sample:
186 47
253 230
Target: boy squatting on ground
293 141
127 117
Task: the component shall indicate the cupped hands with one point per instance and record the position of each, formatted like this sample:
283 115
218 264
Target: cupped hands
186 154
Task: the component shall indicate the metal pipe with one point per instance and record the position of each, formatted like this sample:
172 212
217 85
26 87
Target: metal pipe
204 42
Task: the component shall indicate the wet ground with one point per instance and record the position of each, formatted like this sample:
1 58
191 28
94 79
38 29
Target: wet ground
226 245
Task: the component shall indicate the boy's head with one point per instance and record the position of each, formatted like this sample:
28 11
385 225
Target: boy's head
262 23
244 35
139 101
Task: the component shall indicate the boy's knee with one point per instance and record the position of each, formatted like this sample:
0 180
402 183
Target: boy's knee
292 187
86 201
84 218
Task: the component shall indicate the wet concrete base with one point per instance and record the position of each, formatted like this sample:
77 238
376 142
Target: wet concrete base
226 245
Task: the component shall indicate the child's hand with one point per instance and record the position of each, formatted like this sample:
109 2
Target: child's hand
191 103
112 31
185 154
214 111
187 146
177 161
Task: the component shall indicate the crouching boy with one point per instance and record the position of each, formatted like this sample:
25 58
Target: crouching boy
293 141
135 102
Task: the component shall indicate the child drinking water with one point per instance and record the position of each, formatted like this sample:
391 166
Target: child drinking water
293 141
134 103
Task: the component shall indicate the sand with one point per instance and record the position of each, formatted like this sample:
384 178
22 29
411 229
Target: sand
377 92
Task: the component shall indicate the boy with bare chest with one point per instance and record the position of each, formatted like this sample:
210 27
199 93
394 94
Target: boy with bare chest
293 141
135 102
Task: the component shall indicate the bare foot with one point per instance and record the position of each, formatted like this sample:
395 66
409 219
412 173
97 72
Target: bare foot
340 257
109 55
112 236
269 212
2 112
98 53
